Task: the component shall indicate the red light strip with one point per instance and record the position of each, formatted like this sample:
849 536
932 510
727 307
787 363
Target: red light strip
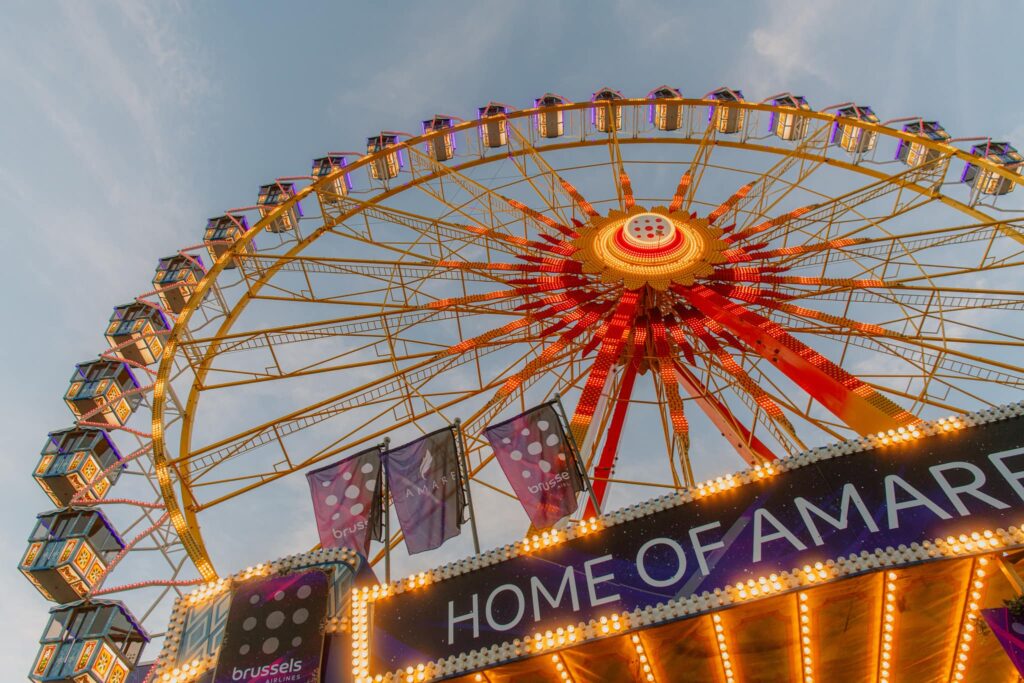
680 195
768 225
729 203
627 189
584 205
847 397
749 447
835 320
730 365
611 348
565 249
538 216
606 463
668 378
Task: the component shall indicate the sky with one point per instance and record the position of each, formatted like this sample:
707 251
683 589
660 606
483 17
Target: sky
125 123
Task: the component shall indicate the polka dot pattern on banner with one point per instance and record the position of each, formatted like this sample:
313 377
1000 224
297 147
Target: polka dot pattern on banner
531 451
342 494
270 615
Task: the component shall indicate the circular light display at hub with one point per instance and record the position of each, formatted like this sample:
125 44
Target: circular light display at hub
649 231
654 247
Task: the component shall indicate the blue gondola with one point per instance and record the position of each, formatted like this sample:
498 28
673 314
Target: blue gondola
73 457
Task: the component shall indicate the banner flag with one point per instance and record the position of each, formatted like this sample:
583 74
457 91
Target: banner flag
274 630
1009 631
426 485
538 460
346 501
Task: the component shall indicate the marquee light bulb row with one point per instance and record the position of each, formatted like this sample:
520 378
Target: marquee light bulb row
804 619
887 626
561 669
723 648
188 672
643 658
978 541
167 668
961 656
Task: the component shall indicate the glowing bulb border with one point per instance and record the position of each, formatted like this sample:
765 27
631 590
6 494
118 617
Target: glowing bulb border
978 542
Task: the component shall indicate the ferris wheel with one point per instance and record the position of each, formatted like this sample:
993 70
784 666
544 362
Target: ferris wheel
704 282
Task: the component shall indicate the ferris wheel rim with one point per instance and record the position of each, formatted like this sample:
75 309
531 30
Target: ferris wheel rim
186 521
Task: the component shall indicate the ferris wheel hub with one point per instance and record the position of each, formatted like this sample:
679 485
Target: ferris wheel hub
650 247
649 232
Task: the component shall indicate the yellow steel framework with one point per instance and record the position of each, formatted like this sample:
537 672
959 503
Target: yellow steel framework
458 267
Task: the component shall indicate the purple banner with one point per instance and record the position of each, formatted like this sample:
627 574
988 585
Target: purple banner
274 631
534 453
935 487
427 489
346 501
1009 631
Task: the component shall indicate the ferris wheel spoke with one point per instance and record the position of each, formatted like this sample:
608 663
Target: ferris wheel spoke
489 201
435 231
362 323
545 171
689 182
276 429
699 328
750 448
820 219
666 386
765 197
348 442
615 163
832 387
941 353
894 246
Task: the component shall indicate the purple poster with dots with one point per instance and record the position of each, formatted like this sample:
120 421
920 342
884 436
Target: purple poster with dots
274 631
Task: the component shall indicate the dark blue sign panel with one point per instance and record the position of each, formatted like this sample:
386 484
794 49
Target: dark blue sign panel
937 486
274 632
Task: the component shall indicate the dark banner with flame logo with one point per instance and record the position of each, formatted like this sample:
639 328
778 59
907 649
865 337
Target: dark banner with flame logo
936 486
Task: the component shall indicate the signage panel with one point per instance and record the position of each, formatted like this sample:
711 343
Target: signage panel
940 485
274 631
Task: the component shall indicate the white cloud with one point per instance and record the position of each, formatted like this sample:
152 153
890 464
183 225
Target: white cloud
787 46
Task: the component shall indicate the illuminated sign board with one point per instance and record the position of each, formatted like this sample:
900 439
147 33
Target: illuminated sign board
951 480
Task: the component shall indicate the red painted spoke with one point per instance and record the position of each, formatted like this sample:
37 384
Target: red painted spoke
748 446
848 398
606 463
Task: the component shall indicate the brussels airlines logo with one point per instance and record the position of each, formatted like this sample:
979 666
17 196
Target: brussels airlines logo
252 673
554 482
349 530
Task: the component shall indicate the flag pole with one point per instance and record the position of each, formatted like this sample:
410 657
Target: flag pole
387 512
576 451
464 464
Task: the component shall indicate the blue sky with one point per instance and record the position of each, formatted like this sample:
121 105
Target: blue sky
126 123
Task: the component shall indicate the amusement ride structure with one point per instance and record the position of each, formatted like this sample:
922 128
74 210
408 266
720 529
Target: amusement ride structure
708 285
